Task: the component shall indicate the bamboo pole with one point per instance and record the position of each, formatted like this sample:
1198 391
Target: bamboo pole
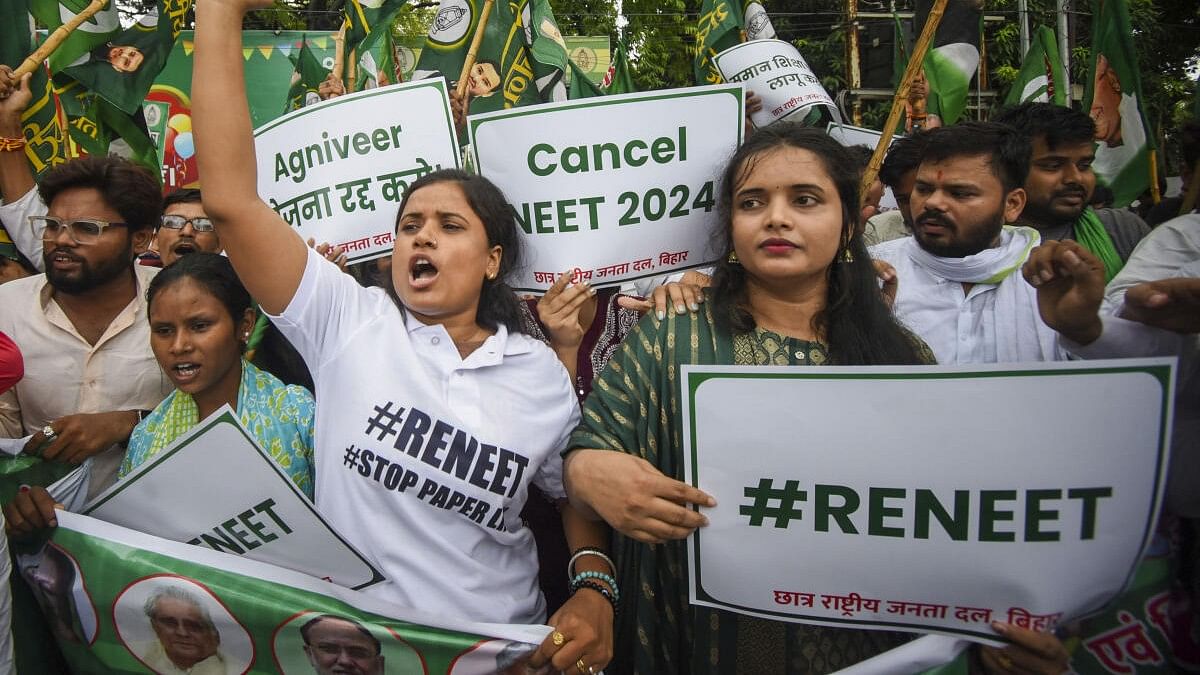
1155 195
43 52
464 77
352 72
339 59
914 66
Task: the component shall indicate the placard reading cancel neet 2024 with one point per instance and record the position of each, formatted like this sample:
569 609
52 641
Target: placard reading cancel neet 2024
336 170
616 187
925 498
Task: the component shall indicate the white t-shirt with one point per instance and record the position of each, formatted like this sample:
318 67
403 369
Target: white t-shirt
424 459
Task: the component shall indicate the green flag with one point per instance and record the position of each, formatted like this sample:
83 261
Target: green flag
1114 99
581 86
502 76
377 62
306 79
546 47
618 79
123 67
953 58
718 28
42 123
101 28
365 19
1041 79
97 127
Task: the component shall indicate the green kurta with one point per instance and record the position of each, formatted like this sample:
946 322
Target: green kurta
635 408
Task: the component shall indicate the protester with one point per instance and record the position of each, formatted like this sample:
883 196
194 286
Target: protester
82 326
13 265
18 193
12 365
898 172
794 286
184 227
1189 149
415 371
1060 182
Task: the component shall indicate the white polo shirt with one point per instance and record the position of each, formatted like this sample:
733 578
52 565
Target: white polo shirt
423 458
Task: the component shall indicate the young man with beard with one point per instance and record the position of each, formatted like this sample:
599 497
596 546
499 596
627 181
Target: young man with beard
82 325
960 287
1061 181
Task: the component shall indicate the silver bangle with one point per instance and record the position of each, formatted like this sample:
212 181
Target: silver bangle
584 552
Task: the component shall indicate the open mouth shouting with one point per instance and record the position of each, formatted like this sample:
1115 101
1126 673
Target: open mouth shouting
422 273
183 373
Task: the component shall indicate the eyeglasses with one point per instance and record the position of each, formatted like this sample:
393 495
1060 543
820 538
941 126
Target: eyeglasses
82 231
188 625
173 222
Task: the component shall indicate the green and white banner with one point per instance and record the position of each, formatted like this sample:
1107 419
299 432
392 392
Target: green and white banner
911 499
119 601
775 71
616 187
337 170
260 515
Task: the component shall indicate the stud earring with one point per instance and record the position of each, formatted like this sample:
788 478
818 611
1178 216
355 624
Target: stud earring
733 259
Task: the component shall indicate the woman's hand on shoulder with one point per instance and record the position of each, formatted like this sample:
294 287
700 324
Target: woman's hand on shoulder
632 496
677 296
1030 652
584 627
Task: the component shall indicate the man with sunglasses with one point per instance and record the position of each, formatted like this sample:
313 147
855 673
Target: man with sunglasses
184 228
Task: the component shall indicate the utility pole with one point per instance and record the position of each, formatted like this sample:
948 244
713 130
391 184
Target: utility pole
852 60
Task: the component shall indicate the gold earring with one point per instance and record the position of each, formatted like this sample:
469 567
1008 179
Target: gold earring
846 256
733 259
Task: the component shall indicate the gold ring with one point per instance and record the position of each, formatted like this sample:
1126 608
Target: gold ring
48 432
583 668
558 639
1005 662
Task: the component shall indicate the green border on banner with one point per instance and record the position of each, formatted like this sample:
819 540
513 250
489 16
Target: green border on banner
696 376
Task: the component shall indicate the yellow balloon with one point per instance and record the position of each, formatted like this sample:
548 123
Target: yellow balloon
180 122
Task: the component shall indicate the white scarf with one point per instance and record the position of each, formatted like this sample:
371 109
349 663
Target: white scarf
1021 335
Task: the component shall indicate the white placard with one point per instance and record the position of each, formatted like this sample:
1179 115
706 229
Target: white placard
336 170
779 75
925 498
616 187
216 487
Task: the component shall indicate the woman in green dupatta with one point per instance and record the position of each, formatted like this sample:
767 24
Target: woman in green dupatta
794 286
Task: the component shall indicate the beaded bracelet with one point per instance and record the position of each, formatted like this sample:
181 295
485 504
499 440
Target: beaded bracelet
8 144
612 583
585 551
595 586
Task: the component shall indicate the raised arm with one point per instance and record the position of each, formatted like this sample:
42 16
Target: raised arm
269 255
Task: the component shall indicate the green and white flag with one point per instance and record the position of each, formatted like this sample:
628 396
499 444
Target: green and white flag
1114 99
42 124
503 75
718 28
103 27
122 68
618 79
306 79
1041 79
546 46
581 86
97 127
368 19
951 62
98 584
377 63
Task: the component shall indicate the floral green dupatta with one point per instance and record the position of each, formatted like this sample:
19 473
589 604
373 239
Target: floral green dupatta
635 408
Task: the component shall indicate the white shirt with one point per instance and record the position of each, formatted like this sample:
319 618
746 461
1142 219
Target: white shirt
423 458
15 217
64 374
959 327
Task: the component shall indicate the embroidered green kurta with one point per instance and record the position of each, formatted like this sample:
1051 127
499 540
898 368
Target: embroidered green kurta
635 407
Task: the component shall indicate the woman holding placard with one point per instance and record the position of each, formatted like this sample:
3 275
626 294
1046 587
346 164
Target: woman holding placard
794 286
437 414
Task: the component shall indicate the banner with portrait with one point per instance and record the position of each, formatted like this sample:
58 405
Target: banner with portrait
121 601
617 188
933 499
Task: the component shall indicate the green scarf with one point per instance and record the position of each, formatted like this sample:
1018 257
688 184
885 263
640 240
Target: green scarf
1090 234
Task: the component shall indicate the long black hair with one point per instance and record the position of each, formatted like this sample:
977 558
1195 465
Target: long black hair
497 302
856 324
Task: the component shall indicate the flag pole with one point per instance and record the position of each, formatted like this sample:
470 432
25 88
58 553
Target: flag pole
339 44
476 39
352 71
915 60
43 52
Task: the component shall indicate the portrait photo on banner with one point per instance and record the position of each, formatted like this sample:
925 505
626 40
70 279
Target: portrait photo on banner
324 643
